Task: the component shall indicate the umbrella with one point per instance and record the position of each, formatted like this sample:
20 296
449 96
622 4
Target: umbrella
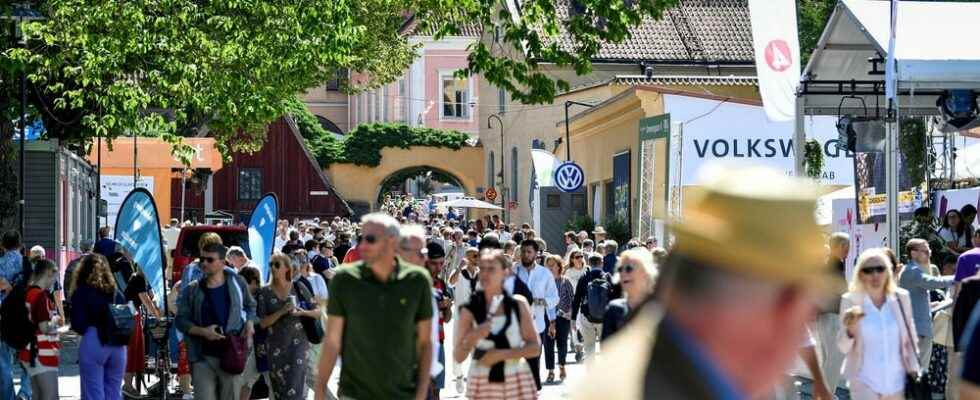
468 202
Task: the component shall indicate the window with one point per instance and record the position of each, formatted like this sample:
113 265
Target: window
578 203
333 85
553 200
514 181
490 166
501 101
455 97
610 203
401 112
249 184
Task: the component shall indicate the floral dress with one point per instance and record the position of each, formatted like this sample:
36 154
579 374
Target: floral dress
286 338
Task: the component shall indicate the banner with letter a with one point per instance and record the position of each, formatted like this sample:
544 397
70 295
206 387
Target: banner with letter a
777 55
262 232
138 232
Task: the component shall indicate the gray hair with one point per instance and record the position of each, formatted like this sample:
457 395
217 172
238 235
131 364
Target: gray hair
236 251
385 221
409 232
86 245
611 246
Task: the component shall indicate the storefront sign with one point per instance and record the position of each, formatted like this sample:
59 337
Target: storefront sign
723 134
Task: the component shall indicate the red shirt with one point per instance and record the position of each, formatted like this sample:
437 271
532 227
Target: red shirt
39 309
353 255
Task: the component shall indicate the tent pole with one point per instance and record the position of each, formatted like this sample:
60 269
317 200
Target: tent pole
799 139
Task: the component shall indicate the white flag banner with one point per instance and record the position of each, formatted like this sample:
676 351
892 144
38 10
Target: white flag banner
891 83
777 56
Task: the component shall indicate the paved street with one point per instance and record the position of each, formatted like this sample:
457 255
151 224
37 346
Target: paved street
69 383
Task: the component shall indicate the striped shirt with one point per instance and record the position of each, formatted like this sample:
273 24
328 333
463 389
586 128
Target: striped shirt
39 308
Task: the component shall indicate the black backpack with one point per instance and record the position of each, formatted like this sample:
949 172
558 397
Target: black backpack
597 298
16 328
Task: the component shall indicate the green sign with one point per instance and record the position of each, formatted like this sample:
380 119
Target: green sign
656 127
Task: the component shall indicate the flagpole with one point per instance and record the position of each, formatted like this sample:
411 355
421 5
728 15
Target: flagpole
891 151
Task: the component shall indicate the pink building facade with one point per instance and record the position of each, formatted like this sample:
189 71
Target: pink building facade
428 94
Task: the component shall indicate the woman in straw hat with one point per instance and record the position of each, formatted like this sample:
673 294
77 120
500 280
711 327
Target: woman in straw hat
877 321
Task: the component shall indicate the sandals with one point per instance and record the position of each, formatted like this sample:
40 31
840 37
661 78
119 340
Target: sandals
551 377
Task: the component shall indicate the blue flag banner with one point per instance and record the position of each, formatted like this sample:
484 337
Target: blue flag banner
262 233
138 232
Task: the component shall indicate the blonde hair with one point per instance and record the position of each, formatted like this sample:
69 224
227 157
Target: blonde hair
206 239
557 260
868 256
281 259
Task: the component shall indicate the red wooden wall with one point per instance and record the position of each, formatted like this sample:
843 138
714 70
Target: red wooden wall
286 171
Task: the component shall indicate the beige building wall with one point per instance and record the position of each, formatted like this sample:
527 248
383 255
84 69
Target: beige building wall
525 122
330 104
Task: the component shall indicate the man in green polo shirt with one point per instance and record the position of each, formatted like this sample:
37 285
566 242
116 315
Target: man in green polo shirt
380 314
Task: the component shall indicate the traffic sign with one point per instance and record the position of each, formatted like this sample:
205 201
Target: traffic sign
569 177
491 194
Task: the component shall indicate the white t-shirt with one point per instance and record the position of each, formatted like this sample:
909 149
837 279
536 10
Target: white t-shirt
948 235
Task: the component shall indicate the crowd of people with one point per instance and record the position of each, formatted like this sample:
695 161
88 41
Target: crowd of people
722 314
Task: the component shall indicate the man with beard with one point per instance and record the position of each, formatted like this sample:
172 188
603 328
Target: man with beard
544 294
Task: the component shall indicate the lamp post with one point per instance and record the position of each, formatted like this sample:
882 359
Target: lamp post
20 13
568 142
503 199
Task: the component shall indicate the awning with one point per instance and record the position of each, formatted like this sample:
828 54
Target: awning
935 50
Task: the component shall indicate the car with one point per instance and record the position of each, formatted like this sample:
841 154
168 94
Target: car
186 251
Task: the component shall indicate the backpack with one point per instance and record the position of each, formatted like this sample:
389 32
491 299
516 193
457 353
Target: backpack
597 298
16 330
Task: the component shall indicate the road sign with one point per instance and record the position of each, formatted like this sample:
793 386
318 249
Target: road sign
491 194
569 177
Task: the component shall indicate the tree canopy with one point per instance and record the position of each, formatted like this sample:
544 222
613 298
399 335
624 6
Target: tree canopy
176 67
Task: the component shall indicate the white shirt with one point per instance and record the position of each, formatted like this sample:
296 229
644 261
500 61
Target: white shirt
280 242
319 286
882 369
504 237
948 235
462 289
543 288
574 275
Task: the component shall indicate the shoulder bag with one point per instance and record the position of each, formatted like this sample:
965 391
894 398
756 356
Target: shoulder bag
234 353
916 385
122 321
312 326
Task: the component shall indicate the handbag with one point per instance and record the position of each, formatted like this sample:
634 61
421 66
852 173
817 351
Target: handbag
312 326
235 354
122 321
916 385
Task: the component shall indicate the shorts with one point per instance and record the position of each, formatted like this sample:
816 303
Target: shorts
251 373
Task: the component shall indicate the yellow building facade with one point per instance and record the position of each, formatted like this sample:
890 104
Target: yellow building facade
612 129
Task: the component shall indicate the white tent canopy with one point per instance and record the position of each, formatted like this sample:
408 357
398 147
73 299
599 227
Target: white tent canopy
468 202
935 50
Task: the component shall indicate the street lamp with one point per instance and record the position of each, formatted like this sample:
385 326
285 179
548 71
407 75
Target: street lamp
568 142
22 12
503 199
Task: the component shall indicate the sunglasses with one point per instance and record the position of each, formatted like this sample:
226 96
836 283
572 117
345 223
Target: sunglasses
276 264
873 270
625 268
370 239
578 256
208 260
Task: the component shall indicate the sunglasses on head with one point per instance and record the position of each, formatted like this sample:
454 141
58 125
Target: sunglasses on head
628 268
873 270
371 239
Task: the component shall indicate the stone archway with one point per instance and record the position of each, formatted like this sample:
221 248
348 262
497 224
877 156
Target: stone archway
363 184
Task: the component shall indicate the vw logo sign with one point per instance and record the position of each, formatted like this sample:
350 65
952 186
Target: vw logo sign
569 177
